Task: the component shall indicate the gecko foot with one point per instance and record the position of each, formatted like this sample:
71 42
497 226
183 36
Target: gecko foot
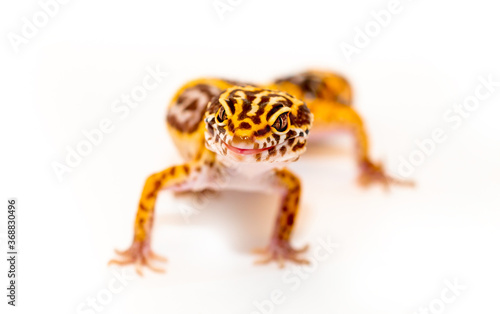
280 251
140 255
374 173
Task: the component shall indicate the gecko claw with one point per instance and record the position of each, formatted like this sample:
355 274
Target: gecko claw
281 251
374 173
141 255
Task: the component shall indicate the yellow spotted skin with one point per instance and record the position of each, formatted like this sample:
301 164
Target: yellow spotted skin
229 129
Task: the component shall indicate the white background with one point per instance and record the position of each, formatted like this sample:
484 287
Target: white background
395 250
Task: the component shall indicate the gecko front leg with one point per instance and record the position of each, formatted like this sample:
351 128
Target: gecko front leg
370 171
329 97
140 252
332 115
279 248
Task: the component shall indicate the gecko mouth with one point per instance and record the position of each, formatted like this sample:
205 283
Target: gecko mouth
244 151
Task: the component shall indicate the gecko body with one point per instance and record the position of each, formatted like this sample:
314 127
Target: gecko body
244 135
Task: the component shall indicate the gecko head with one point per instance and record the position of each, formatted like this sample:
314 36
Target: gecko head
250 124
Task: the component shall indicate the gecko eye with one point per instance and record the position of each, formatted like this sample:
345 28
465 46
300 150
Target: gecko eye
221 116
281 123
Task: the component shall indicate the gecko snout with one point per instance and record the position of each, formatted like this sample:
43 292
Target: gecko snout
242 141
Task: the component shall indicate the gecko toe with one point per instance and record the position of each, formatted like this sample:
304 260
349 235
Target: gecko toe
140 255
281 251
372 173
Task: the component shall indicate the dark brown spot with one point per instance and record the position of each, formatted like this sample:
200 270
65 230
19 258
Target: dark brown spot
210 130
263 131
250 98
230 126
283 150
256 119
192 101
221 129
263 101
157 185
245 125
277 138
272 151
230 104
298 146
303 116
260 111
247 106
291 133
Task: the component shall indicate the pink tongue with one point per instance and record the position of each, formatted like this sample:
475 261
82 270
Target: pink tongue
246 151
